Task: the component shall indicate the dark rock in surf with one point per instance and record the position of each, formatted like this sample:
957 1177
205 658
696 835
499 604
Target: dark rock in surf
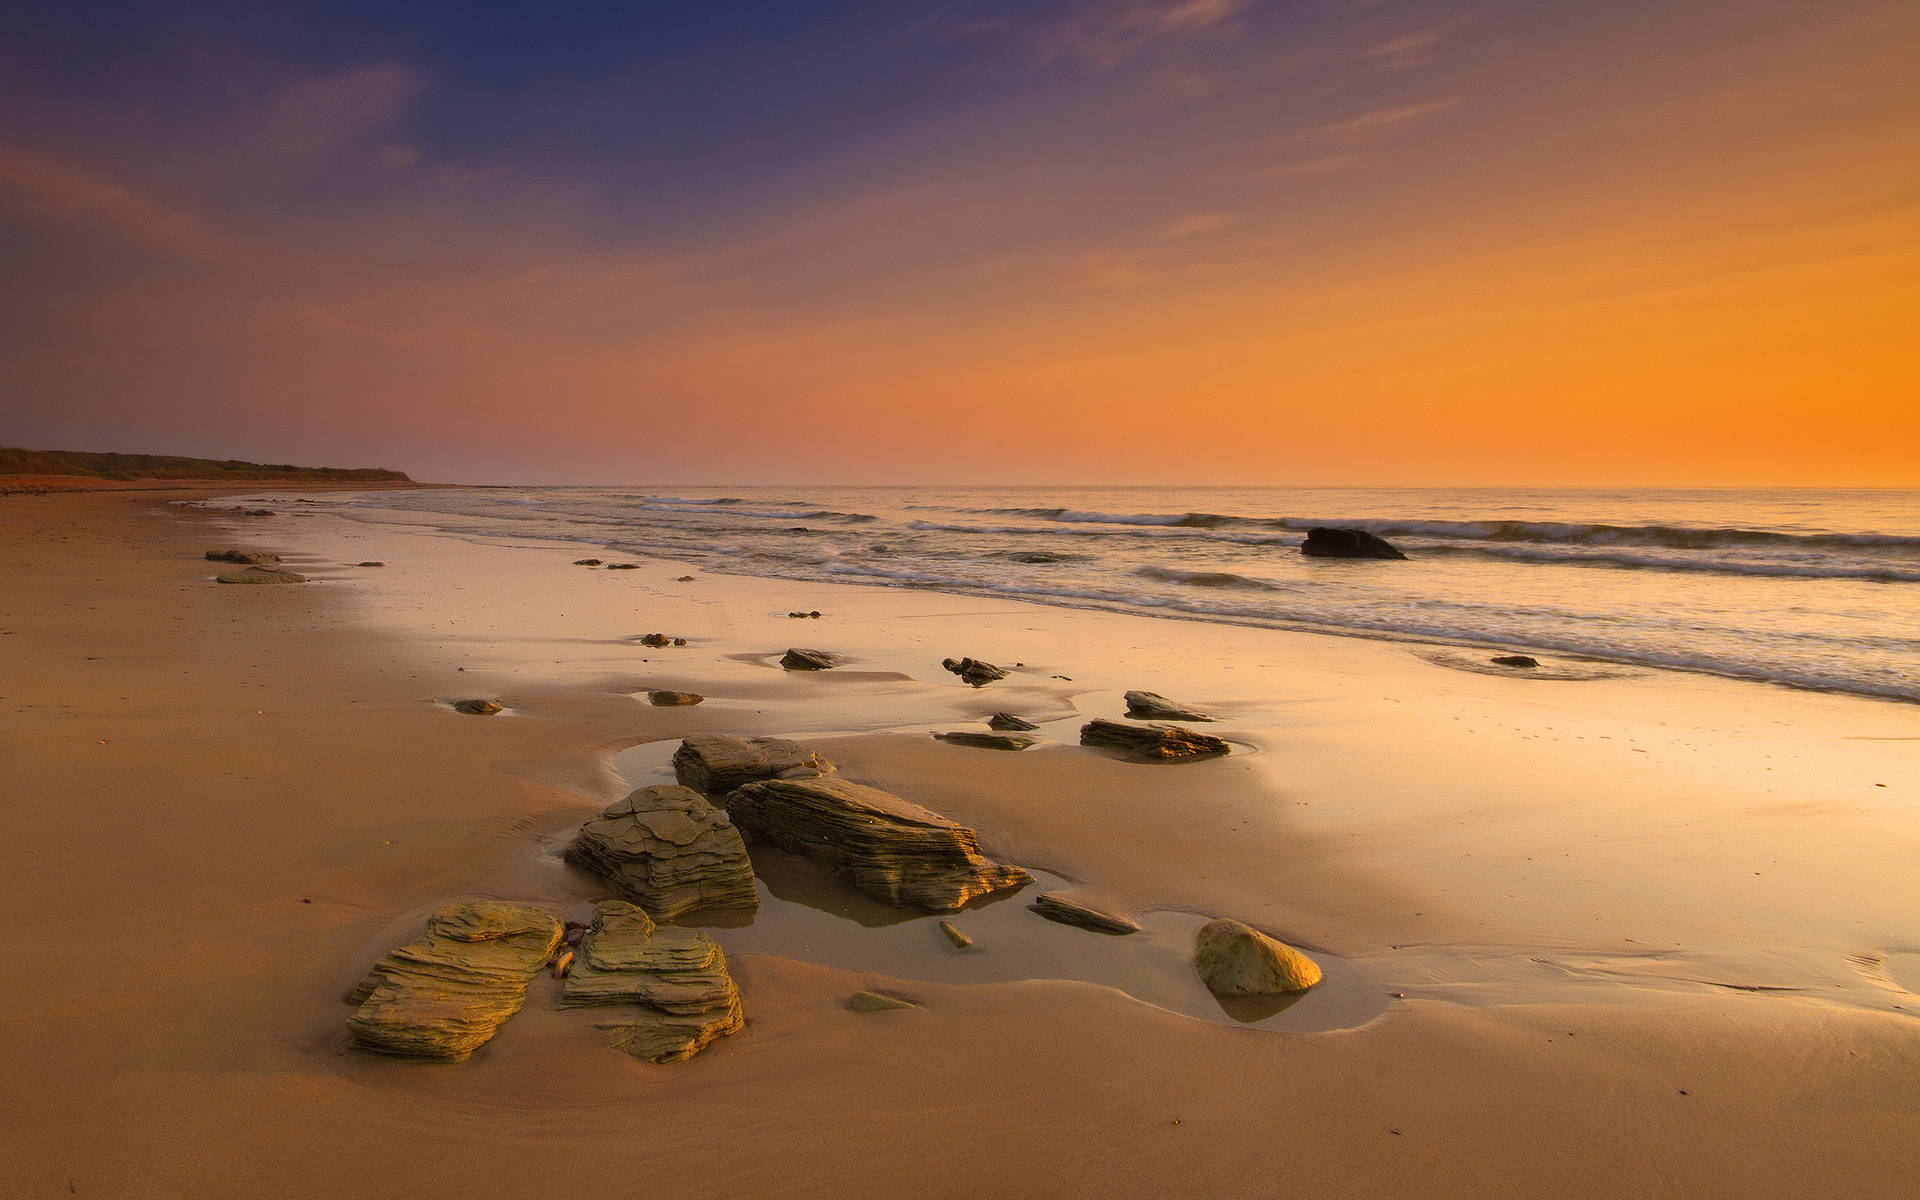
1346 543
1036 557
974 671
989 741
1150 706
799 659
1061 907
1008 723
716 764
1166 743
1515 660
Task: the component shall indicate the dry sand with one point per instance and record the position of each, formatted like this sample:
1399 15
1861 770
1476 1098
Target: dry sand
222 802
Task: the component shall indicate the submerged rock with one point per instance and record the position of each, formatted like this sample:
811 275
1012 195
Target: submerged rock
989 741
260 575
1058 906
675 981
248 557
673 699
973 671
887 847
1165 742
1238 960
798 659
1346 543
716 764
1151 706
669 851
877 1002
1516 660
477 708
1008 723
445 993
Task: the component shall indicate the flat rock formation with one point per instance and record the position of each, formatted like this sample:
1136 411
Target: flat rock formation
445 993
973 671
887 847
1151 706
989 741
717 764
1516 660
1058 906
1346 543
260 575
586 562
672 982
798 659
1008 723
477 708
370 564
669 851
245 557
1238 960
1168 743
623 566
673 699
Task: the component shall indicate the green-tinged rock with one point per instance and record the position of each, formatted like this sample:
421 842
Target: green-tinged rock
989 741
477 708
877 1002
669 851
1238 960
260 575
889 848
444 994
1167 743
716 764
674 982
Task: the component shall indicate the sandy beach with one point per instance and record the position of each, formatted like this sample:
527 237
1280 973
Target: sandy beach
1640 933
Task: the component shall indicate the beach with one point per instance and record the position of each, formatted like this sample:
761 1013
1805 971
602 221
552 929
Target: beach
1632 931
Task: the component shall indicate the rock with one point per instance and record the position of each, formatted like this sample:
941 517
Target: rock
1008 723
623 566
1516 660
1165 742
973 671
673 699
246 557
656 639
562 963
586 562
889 848
1346 543
669 851
1036 557
684 579
445 993
370 564
989 741
260 575
797 659
797 529
1237 960
1150 706
716 764
1058 906
675 981
960 940
477 708
876 1002
580 915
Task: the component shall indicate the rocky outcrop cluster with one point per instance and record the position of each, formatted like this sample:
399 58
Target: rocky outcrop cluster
671 984
716 764
974 671
1164 743
1238 960
445 993
1347 543
889 848
1151 706
669 851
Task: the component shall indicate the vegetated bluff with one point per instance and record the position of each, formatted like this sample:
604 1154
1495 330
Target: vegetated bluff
14 461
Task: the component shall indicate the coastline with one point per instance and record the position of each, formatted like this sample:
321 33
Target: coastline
280 748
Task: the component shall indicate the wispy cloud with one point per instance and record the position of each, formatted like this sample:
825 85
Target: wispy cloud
322 114
49 188
1109 32
1196 223
1368 124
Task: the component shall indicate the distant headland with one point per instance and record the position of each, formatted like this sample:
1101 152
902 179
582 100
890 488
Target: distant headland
125 467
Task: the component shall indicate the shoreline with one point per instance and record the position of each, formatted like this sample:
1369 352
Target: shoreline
350 791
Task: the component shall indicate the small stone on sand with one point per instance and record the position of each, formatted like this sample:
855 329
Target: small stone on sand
877 1002
960 940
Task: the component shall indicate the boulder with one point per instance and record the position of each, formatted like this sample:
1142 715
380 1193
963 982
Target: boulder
1151 706
260 575
989 741
1169 743
877 1002
669 851
887 847
1059 906
1238 960
445 993
673 699
1346 543
477 708
1516 660
797 659
673 984
716 764
244 557
1008 723
973 671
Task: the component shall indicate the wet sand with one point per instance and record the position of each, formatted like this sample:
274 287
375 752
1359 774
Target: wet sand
222 802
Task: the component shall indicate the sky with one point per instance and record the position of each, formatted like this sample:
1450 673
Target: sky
1241 242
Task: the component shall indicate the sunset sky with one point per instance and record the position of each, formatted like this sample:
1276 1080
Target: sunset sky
1107 241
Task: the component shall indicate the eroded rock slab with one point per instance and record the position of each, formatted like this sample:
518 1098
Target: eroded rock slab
1347 543
444 994
716 764
974 671
1008 723
1238 960
669 851
799 659
889 848
1151 706
260 575
1165 743
673 699
1069 910
673 984
989 741
245 557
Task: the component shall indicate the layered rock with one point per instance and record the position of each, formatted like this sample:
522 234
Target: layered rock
1346 543
244 557
1008 723
260 575
799 659
669 851
1238 960
1151 706
445 993
716 764
1168 743
887 847
675 981
989 741
1070 910
974 671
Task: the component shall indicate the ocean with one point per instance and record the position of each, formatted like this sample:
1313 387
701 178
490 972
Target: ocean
1816 589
